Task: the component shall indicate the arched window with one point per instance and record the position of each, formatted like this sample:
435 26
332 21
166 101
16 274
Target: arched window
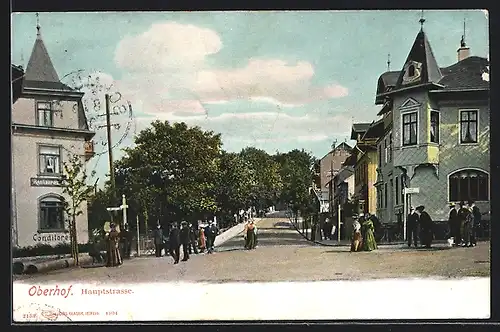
469 184
51 213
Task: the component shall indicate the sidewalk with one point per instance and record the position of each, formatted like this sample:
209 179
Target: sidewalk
335 243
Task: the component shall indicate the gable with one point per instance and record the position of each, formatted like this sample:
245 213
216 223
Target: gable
410 103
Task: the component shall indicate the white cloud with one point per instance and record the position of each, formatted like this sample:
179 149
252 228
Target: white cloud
267 127
167 72
167 45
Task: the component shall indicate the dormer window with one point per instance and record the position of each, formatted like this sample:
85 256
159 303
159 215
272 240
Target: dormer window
411 71
44 114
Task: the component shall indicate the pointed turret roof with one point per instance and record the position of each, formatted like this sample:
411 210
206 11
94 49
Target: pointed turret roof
40 67
421 54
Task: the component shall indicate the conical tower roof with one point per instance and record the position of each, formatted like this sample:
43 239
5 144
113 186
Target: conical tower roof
425 67
40 67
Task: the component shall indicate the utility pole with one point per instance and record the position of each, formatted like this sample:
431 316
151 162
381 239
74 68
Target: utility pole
110 150
138 237
338 222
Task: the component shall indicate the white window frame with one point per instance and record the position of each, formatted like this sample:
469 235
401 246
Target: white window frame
460 125
39 120
438 128
50 197
408 112
58 166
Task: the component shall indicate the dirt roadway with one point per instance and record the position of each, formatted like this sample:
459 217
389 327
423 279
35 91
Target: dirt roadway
282 255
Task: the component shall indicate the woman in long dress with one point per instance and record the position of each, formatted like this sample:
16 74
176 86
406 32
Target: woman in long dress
113 254
249 235
357 238
201 239
367 229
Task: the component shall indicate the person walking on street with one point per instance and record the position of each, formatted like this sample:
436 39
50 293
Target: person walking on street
462 214
476 214
193 241
468 225
174 243
113 254
454 224
357 237
213 231
201 239
159 240
426 225
249 236
413 227
367 230
184 237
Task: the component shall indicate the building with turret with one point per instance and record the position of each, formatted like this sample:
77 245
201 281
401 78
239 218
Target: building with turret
48 126
434 145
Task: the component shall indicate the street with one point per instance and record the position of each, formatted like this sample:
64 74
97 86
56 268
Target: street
284 255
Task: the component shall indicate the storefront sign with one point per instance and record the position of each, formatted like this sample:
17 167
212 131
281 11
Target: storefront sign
41 182
50 237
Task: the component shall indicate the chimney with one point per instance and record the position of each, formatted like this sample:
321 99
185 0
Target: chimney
463 52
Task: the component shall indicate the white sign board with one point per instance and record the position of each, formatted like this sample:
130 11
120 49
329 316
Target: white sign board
411 190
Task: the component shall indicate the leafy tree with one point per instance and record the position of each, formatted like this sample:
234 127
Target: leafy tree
172 169
76 190
297 172
234 183
264 177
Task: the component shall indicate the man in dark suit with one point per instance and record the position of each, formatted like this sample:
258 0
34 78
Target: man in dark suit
174 243
413 223
185 238
476 214
158 237
426 226
454 224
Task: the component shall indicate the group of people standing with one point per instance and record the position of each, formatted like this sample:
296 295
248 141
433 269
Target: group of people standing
420 225
464 222
363 235
192 239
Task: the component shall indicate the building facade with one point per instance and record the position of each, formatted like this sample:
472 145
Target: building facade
365 168
332 162
436 134
48 126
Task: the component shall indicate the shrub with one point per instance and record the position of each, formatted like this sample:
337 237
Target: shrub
47 250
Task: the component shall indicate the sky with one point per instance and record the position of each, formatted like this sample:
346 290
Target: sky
273 80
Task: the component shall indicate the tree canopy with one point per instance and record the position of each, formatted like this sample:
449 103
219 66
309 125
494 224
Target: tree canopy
176 172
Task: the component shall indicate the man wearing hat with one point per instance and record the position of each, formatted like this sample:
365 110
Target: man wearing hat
426 225
463 212
174 243
184 237
413 226
476 214
454 223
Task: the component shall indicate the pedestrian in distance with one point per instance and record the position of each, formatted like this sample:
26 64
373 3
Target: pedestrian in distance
454 224
159 240
213 231
201 239
368 232
468 225
113 253
426 225
476 214
193 239
413 227
184 237
174 243
357 237
250 236
463 213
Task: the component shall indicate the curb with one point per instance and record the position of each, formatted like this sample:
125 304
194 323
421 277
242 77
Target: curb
241 225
